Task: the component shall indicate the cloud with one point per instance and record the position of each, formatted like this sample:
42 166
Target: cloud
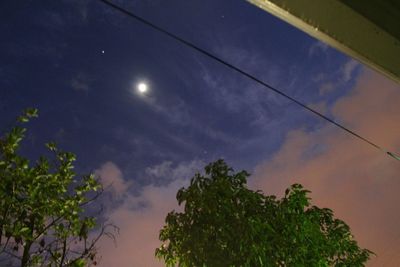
241 96
326 88
141 216
140 220
321 107
83 9
357 181
178 112
317 47
81 83
167 172
111 178
348 69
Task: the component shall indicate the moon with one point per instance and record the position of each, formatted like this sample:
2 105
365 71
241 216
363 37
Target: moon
142 88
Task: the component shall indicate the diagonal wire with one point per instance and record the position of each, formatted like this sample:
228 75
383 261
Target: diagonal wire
266 85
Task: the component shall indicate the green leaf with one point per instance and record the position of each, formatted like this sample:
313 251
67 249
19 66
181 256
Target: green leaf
79 263
24 230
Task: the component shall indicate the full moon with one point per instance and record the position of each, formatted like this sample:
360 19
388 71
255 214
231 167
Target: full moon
142 88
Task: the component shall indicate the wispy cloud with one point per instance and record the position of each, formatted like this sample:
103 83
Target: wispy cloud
348 69
112 179
317 47
81 82
325 88
243 97
167 171
178 112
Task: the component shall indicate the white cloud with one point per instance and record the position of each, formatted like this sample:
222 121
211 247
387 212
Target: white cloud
348 68
317 47
242 96
112 179
326 88
167 171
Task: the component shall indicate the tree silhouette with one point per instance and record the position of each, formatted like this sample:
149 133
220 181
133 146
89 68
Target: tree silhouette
226 224
43 219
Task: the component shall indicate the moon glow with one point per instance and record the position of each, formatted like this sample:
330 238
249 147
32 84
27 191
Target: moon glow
142 88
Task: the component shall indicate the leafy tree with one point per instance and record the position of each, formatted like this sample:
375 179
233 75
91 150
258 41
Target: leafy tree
226 224
42 207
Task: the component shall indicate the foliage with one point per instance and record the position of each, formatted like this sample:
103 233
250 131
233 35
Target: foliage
226 224
42 206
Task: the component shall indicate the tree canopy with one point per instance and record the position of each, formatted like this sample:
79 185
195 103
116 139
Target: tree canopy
226 224
43 219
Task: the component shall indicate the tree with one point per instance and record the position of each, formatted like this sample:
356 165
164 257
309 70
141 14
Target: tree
43 218
226 224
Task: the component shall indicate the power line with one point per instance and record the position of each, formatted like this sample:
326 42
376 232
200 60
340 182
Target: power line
223 62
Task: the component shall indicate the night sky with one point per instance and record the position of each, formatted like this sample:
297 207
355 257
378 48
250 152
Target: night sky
79 63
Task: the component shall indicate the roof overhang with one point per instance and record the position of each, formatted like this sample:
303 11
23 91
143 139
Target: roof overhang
365 30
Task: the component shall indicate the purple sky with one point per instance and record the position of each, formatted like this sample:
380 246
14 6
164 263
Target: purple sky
79 63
